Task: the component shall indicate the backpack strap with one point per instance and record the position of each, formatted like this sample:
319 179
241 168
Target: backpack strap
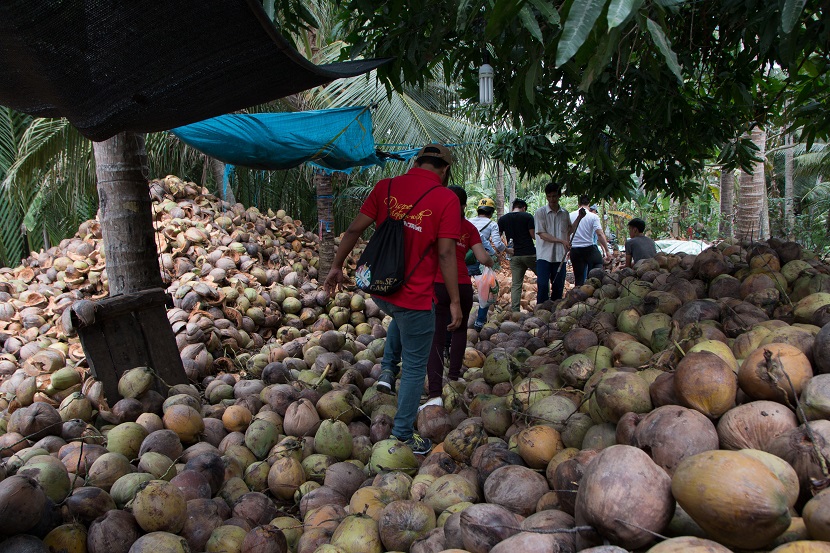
426 251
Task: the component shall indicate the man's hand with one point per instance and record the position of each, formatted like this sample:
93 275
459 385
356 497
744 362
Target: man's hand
608 256
334 281
455 313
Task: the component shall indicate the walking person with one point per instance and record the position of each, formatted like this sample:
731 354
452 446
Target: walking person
584 253
488 230
469 240
553 227
431 230
518 227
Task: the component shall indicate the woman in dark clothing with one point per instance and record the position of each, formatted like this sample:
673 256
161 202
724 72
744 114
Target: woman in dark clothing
469 239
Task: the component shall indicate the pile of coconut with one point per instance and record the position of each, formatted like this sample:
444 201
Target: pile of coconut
681 405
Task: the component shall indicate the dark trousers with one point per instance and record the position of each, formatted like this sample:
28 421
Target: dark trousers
458 341
550 280
583 260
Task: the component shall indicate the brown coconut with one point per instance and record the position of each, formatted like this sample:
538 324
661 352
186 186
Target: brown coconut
203 517
816 516
568 475
22 501
734 497
403 522
113 532
515 488
706 383
625 496
754 425
775 371
484 525
799 446
265 539
671 433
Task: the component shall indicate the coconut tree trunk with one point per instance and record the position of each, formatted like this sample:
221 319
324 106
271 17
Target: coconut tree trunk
499 189
126 214
218 170
789 211
727 202
325 216
752 190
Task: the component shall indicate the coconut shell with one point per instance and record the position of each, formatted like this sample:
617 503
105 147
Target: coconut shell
265 539
203 518
24 543
623 485
113 532
403 522
776 372
734 497
156 542
485 525
706 383
798 448
160 506
754 425
87 503
672 433
515 488
688 544
22 501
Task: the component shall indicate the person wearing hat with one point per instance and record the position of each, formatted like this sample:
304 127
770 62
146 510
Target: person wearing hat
431 230
584 253
518 227
490 238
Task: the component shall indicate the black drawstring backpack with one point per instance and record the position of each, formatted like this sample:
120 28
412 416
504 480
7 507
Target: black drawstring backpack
381 269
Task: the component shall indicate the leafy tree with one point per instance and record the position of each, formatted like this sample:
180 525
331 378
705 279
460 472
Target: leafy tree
597 90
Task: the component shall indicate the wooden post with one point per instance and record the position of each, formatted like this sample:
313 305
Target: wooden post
128 331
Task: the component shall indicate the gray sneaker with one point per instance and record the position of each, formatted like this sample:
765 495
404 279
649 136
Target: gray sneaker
386 383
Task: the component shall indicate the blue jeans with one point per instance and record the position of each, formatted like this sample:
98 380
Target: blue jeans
408 339
550 279
481 317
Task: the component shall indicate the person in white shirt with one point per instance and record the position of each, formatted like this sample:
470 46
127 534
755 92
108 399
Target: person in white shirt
553 227
584 253
491 240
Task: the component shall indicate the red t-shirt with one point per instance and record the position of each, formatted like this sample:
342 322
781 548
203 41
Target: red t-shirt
469 237
437 215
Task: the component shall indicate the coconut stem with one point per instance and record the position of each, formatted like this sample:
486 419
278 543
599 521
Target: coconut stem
322 376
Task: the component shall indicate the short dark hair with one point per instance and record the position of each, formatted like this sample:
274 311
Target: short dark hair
461 193
584 199
637 223
553 187
518 202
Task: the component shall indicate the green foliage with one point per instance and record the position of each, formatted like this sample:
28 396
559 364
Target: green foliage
651 88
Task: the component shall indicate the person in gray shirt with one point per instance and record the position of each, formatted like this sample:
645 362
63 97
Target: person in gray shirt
639 246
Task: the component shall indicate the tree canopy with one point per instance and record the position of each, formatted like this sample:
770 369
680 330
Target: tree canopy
595 91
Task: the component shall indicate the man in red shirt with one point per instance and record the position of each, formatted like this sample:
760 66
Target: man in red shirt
431 230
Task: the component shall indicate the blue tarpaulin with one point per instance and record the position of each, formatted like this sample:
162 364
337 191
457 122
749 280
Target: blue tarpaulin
334 139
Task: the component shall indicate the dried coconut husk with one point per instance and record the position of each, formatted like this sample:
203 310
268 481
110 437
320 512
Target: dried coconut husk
754 425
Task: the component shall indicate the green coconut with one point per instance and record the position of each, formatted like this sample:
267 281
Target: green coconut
627 321
260 436
528 391
158 464
333 438
648 324
815 398
449 490
499 366
226 538
126 439
315 466
631 354
391 454
618 393
160 506
338 404
576 370
124 489
804 309
50 473
553 410
576 429
601 356
136 381
358 533
158 542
